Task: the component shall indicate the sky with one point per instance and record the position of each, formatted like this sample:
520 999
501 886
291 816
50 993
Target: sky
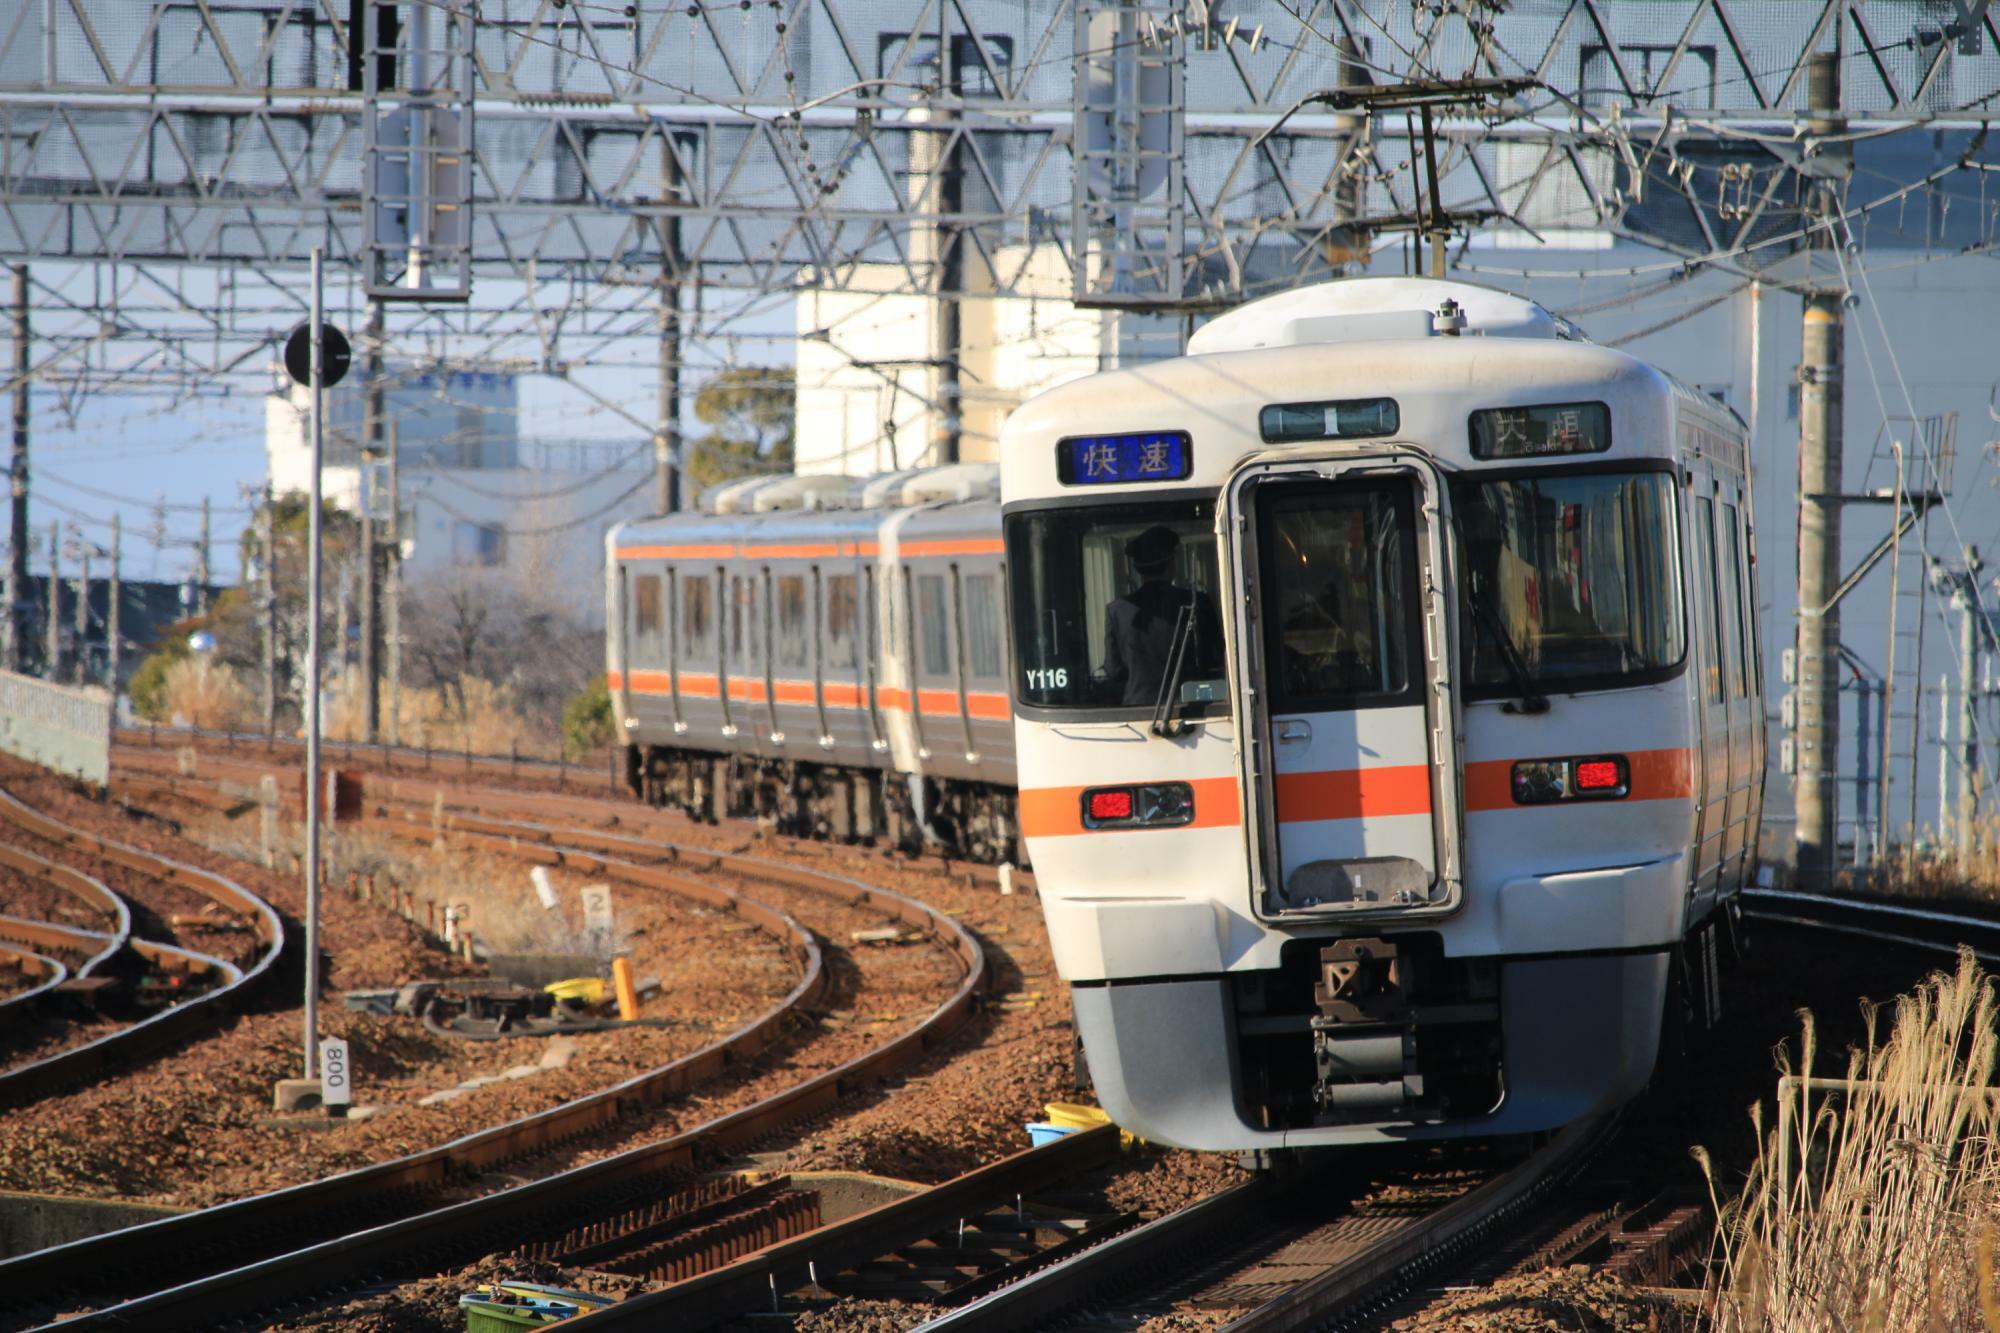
152 458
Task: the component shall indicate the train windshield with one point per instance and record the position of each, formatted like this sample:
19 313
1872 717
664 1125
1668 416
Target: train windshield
1101 595
1579 570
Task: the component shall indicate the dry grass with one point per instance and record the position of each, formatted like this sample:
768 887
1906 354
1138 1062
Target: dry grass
1925 867
1874 1203
201 692
477 715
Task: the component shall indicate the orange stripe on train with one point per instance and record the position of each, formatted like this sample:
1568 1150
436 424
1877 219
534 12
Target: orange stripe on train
1054 812
1354 793
984 705
1657 775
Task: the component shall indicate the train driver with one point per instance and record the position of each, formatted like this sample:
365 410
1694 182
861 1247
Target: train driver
1139 624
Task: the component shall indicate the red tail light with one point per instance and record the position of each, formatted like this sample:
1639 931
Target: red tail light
1597 775
1154 805
1111 803
1547 781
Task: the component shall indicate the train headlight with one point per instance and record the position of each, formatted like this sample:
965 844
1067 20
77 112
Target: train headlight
1154 805
1594 778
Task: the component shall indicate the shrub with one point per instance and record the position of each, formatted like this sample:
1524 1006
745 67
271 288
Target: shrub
588 723
148 686
204 693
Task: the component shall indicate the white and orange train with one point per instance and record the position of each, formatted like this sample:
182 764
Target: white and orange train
1386 712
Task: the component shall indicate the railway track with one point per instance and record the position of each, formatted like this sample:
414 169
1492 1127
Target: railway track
1277 1255
272 1249
1907 924
230 986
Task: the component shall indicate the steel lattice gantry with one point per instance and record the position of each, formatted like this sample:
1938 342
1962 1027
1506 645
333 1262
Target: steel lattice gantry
795 141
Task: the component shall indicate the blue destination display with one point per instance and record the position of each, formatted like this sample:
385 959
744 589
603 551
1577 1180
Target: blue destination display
1104 460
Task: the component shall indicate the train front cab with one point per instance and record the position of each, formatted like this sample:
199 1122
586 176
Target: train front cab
1485 728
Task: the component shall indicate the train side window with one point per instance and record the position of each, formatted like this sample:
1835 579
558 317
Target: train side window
982 626
737 619
789 642
933 625
648 637
1732 555
1708 594
842 607
697 617
753 638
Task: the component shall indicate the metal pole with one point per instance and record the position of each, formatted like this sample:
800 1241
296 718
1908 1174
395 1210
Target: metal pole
1817 715
667 437
52 613
1964 598
17 476
82 664
113 653
1944 757
392 609
948 434
1816 735
312 680
1864 771
371 451
1437 230
1888 713
201 564
267 578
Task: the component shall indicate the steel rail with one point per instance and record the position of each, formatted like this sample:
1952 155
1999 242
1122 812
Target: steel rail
53 971
1923 927
94 892
397 779
738 1288
507 1212
1397 1259
169 1028
220 1229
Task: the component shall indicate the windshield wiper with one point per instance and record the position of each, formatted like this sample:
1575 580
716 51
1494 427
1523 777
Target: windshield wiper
1530 699
1170 679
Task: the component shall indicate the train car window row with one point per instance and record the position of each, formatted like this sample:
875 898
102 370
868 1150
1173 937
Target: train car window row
649 640
1710 595
1740 667
841 614
1095 614
697 617
791 631
1574 575
933 625
982 621
1340 594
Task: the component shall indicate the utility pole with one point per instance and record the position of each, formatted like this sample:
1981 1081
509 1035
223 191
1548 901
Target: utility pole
314 795
112 645
201 564
947 436
82 666
1961 584
393 596
667 435
267 602
1816 744
52 613
17 478
371 451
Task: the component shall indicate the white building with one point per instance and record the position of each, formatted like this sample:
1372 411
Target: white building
474 495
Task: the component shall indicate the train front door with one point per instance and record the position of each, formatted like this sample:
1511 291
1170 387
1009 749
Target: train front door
1344 668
